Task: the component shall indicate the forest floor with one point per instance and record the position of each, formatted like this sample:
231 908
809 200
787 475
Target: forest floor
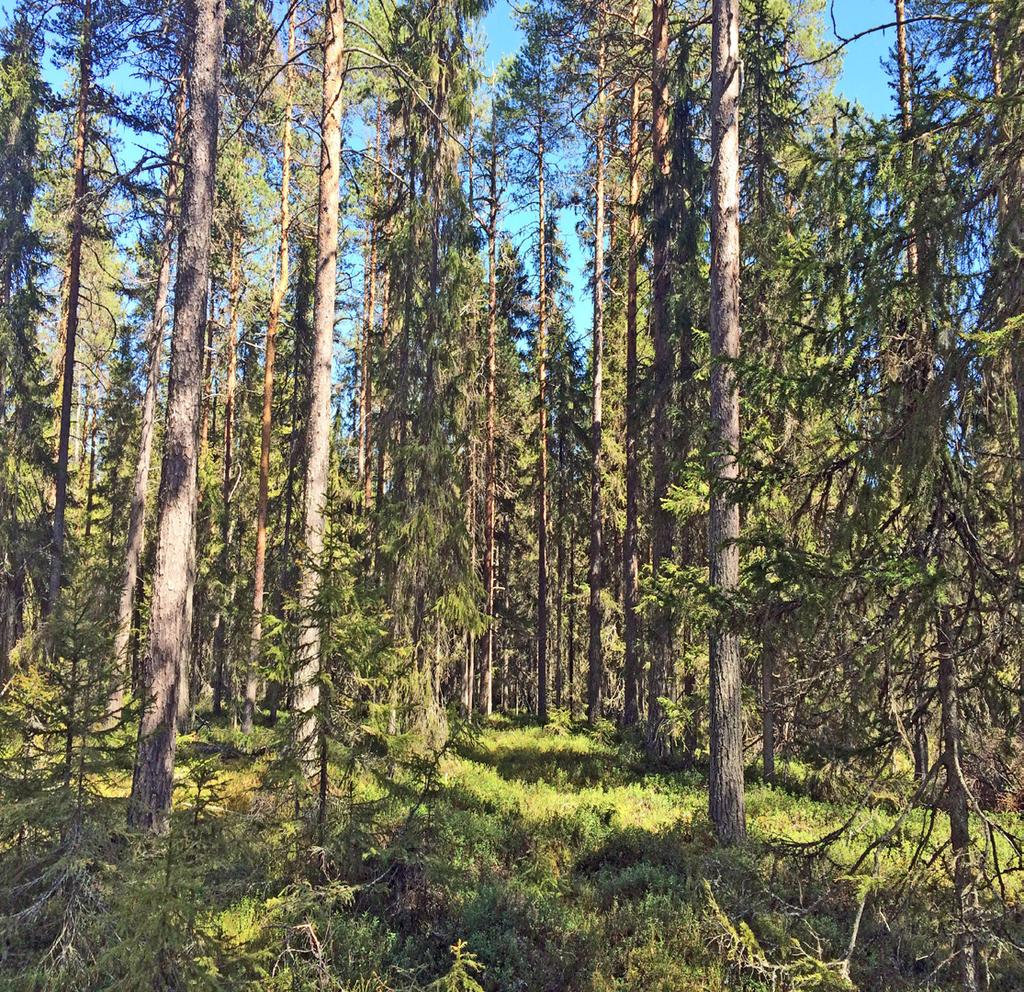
560 863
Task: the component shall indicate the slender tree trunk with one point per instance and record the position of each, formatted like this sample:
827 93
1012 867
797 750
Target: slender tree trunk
595 675
140 486
910 374
726 799
170 611
542 441
661 522
366 372
306 687
487 662
964 892
1008 48
70 334
90 484
570 647
266 418
630 548
207 400
768 712
222 675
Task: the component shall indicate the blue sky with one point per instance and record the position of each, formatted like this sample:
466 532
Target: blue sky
862 79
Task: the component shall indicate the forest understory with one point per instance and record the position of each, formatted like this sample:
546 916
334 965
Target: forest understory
511 857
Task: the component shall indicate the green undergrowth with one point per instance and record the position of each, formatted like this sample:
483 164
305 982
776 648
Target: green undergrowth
516 858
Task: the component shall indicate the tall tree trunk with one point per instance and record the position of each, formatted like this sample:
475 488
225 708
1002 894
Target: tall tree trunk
266 418
570 646
910 374
70 334
487 662
223 681
1008 69
140 485
366 363
170 612
726 800
542 441
595 675
661 522
630 544
306 686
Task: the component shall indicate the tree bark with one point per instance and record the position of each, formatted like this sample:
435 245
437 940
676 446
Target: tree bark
1007 72
266 417
661 522
222 683
366 360
630 544
306 685
487 661
595 675
170 612
726 799
959 809
768 712
140 487
70 334
542 441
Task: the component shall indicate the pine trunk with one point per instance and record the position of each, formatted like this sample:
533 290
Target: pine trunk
661 523
306 685
223 682
170 611
74 285
595 675
266 417
630 548
726 777
140 486
487 662
542 442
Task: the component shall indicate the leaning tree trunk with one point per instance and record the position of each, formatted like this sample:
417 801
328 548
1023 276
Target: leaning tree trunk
140 486
306 679
595 674
70 334
726 779
266 419
171 609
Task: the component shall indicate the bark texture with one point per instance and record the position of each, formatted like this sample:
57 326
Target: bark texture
661 522
266 417
630 544
171 609
596 672
140 486
542 442
306 684
726 798
74 287
490 498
